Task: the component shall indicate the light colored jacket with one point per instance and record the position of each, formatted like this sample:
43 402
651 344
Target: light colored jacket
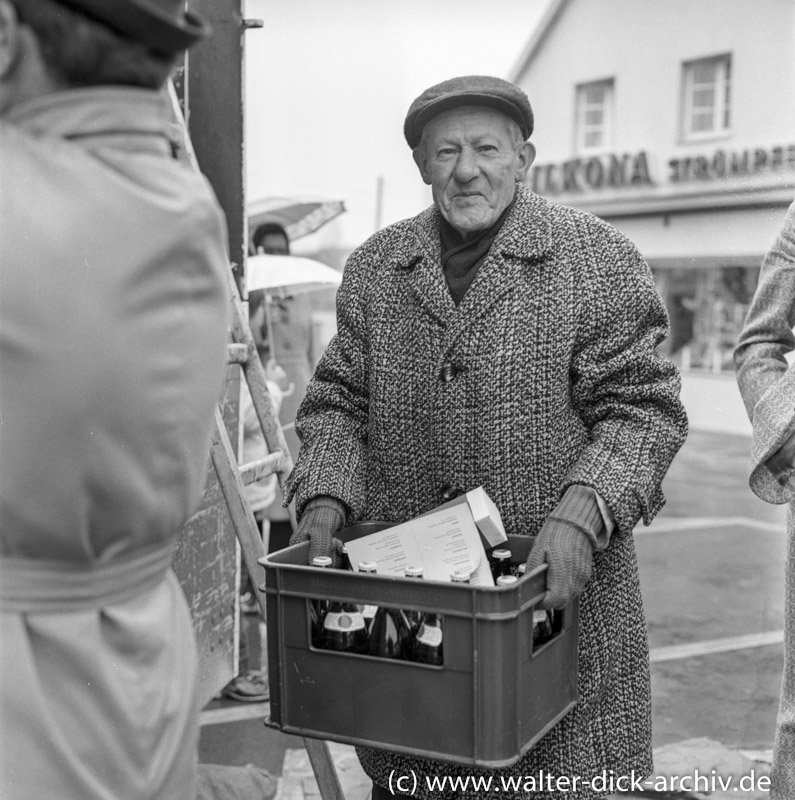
545 375
767 384
113 328
766 381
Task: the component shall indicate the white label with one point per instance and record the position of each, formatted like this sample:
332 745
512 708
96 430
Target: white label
346 621
429 635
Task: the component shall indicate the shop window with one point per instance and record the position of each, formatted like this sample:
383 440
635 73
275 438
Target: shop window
594 116
706 97
707 310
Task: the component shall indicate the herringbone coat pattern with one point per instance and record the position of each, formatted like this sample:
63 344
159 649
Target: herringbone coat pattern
545 375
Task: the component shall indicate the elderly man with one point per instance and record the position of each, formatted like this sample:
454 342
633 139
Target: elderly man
499 340
113 307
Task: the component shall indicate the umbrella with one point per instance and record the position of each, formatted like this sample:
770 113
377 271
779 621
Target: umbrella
298 216
286 275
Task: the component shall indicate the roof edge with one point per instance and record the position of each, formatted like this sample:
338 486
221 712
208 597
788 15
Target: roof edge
534 43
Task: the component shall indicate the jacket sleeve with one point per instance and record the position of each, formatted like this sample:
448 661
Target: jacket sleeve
624 391
766 383
332 419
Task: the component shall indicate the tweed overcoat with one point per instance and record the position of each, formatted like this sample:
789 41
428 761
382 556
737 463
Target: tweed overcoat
767 385
543 376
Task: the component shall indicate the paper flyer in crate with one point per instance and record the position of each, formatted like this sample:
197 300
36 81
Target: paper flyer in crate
441 541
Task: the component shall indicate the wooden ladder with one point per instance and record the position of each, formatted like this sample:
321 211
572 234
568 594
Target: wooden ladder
234 477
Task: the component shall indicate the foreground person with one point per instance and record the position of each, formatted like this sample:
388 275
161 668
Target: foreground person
113 312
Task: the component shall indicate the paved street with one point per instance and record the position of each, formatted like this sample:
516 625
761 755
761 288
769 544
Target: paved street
712 574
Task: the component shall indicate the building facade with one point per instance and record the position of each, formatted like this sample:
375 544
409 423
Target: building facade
674 120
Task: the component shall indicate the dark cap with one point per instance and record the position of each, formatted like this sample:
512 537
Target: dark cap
468 90
163 25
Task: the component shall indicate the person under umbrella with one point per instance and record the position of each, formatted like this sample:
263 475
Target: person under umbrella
290 324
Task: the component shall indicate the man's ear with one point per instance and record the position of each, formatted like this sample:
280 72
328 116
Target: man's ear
9 37
527 154
421 160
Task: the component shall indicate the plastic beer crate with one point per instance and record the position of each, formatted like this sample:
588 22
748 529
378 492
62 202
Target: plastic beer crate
490 701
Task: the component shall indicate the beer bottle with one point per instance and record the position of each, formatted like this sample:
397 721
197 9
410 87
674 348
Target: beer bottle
542 626
500 561
390 634
414 617
427 643
368 611
346 559
521 570
343 628
317 608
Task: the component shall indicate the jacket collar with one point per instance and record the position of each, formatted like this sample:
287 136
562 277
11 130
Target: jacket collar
525 233
523 241
94 111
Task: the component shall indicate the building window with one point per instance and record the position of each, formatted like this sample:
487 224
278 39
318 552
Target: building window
594 116
707 309
706 97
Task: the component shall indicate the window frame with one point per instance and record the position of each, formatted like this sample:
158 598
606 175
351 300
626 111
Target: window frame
722 105
581 127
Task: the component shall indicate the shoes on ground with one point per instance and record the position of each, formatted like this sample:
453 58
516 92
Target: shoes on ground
251 687
248 604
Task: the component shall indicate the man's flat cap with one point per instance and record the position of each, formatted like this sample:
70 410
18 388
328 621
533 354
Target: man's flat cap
468 90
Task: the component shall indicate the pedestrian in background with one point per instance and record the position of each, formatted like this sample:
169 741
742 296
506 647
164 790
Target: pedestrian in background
113 333
499 340
292 348
767 385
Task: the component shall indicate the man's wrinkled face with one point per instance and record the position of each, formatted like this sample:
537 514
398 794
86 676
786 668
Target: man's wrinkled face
472 157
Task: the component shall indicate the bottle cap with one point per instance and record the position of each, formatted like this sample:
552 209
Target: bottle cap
507 580
368 566
501 553
414 572
321 561
460 576
521 569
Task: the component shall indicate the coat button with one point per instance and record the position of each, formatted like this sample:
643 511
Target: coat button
449 492
448 372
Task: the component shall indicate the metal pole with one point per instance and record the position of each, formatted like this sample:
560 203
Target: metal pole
379 201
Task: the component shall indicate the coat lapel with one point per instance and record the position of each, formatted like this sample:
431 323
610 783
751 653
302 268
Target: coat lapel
422 262
522 243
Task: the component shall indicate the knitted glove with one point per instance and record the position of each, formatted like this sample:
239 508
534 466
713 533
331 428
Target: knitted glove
566 542
323 516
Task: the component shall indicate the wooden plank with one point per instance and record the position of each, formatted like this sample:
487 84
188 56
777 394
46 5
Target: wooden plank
255 470
243 522
323 766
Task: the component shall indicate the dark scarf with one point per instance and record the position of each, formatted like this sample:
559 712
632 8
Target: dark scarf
461 258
